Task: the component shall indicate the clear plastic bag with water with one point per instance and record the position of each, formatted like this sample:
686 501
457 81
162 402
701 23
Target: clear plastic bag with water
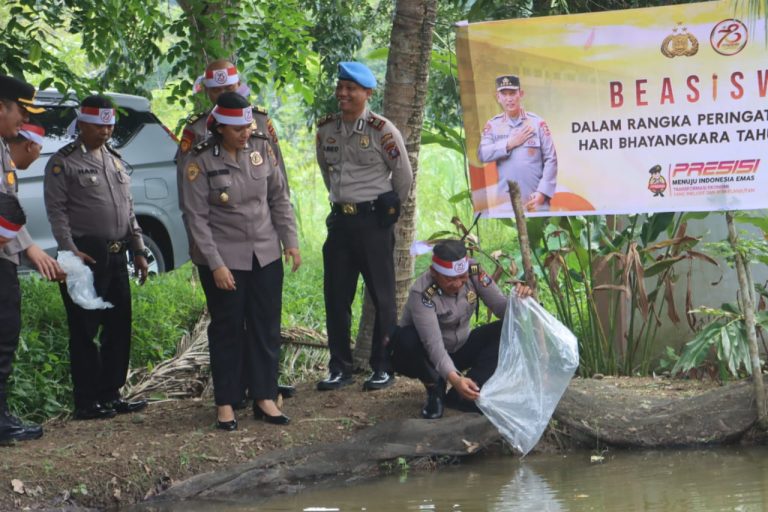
80 282
537 359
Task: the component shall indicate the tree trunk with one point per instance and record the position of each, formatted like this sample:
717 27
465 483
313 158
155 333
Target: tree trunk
748 308
410 52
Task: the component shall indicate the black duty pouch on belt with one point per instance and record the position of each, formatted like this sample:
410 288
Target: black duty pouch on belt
388 208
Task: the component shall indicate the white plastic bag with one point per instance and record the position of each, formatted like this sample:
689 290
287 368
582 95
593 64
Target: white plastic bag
537 358
80 282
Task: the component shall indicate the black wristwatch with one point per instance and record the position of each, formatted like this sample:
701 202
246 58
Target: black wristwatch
144 252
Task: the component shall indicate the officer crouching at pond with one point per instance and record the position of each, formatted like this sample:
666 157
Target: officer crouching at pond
368 175
433 342
90 208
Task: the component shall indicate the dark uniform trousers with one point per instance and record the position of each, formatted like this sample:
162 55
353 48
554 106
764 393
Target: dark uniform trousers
245 322
10 319
99 368
356 244
480 354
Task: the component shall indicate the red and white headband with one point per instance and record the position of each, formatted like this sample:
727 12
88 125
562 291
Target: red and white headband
450 268
32 132
221 77
8 229
96 115
233 116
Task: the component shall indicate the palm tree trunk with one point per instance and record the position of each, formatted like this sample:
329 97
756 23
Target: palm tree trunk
410 52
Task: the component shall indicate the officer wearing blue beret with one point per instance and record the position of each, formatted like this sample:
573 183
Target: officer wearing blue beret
366 170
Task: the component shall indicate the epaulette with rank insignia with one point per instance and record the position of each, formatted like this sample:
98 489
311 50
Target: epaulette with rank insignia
325 120
201 146
113 151
426 295
375 121
474 269
68 149
194 117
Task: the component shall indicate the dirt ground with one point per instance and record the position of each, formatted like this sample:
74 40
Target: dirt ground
109 463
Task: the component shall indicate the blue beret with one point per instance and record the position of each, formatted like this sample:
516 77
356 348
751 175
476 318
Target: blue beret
358 73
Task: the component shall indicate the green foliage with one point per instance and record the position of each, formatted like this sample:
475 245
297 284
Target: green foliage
163 309
724 340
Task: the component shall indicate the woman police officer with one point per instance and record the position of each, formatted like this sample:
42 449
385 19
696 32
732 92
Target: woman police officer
237 204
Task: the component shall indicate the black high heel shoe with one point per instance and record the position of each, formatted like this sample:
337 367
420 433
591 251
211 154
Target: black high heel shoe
229 426
259 414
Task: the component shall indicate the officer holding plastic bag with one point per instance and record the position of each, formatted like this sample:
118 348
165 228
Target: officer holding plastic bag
433 342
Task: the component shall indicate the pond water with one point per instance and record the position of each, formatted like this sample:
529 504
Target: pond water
733 479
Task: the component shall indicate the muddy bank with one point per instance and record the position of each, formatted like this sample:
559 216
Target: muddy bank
172 451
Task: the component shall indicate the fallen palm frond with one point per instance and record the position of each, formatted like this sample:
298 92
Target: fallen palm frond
188 374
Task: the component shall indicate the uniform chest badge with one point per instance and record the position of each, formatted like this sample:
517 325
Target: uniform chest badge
330 140
93 179
224 197
256 158
471 297
10 177
56 170
272 156
193 170
365 141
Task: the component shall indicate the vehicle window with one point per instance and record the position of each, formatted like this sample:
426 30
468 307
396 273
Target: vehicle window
57 121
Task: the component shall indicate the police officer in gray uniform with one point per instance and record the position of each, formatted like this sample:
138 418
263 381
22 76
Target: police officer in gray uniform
88 199
221 76
433 342
367 172
241 220
16 103
521 145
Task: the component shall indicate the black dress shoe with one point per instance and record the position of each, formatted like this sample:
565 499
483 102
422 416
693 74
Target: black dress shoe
12 429
286 391
229 426
378 380
258 414
94 411
433 409
334 381
124 406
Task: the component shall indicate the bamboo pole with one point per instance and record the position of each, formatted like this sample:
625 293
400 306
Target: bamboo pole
522 235
748 308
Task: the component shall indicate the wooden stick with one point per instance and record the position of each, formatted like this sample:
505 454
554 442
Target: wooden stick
522 235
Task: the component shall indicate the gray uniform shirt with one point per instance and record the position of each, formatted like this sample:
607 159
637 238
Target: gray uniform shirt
88 193
442 321
8 185
362 163
236 210
533 164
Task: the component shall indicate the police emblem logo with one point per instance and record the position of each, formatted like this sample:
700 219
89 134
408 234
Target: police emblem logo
256 158
56 170
224 197
220 76
185 145
248 115
106 115
427 302
460 266
682 44
193 170
365 141
471 297
485 280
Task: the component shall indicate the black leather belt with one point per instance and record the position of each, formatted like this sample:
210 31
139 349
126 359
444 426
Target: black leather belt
353 208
